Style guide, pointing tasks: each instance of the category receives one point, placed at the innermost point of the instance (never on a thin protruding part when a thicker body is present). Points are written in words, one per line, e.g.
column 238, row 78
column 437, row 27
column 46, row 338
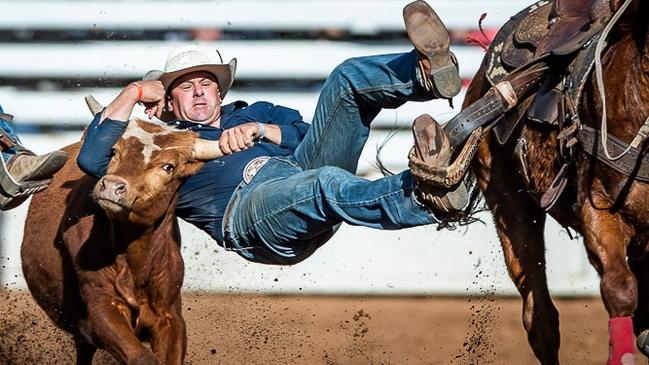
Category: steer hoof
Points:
column 145, row 358
column 642, row 342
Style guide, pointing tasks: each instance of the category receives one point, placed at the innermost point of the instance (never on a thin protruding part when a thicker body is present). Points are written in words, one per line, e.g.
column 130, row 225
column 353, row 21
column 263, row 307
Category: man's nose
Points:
column 198, row 90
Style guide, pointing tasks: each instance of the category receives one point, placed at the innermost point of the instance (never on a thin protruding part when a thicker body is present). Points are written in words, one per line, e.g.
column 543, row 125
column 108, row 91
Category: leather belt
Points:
column 499, row 99
column 627, row 164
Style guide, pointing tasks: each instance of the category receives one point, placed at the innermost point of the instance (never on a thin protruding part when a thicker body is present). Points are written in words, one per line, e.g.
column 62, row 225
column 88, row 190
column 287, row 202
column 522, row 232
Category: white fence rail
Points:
column 288, row 59
column 359, row 16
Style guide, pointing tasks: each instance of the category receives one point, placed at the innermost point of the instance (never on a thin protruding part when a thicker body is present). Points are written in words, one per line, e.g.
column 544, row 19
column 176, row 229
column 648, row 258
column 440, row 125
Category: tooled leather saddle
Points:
column 563, row 35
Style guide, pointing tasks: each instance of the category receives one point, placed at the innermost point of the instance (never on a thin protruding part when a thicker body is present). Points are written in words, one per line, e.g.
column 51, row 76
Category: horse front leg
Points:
column 640, row 268
column 606, row 237
column 520, row 223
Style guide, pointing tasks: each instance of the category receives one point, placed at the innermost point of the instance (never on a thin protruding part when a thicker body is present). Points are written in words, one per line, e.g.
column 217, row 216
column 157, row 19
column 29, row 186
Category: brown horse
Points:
column 608, row 208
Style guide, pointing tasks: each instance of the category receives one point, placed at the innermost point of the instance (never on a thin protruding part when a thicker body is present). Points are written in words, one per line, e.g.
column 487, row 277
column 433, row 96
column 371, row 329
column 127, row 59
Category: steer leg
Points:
column 110, row 326
column 169, row 336
column 85, row 351
column 607, row 236
column 520, row 223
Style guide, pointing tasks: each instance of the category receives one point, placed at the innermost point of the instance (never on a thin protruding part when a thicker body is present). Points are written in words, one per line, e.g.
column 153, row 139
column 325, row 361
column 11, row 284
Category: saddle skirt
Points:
column 522, row 41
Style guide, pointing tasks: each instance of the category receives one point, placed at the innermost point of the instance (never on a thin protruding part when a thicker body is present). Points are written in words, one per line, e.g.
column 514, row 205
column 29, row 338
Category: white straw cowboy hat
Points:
column 186, row 59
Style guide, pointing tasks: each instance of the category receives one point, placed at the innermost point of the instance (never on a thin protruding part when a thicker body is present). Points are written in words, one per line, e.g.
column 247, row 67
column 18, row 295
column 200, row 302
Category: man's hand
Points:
column 151, row 93
column 239, row 138
column 153, row 97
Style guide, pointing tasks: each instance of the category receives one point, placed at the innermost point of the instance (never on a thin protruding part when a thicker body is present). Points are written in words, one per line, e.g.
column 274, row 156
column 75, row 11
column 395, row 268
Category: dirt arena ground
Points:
column 236, row 329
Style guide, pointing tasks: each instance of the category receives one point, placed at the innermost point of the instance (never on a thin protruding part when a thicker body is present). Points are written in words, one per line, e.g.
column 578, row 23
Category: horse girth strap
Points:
column 499, row 99
column 633, row 164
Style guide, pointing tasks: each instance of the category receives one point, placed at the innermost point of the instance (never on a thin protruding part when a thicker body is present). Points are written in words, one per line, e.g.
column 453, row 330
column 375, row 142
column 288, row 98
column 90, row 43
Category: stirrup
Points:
column 15, row 189
column 450, row 176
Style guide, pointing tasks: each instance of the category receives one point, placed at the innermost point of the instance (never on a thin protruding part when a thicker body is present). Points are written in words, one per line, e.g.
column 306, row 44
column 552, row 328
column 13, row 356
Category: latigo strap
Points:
column 499, row 99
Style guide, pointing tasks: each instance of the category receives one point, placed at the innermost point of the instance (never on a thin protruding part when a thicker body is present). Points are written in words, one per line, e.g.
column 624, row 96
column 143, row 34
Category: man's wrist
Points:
column 139, row 91
column 262, row 131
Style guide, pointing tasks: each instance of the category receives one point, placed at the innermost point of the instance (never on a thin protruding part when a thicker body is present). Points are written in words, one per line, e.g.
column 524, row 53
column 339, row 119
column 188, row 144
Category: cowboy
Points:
column 22, row 173
column 283, row 187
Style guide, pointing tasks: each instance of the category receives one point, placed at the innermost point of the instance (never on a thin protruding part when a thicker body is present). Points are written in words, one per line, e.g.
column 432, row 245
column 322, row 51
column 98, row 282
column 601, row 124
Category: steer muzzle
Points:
column 111, row 194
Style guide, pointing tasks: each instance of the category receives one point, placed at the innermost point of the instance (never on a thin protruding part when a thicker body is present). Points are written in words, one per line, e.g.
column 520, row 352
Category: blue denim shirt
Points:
column 204, row 196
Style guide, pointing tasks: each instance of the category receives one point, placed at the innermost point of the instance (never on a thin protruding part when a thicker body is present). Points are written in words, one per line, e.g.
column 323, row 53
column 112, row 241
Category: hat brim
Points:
column 224, row 74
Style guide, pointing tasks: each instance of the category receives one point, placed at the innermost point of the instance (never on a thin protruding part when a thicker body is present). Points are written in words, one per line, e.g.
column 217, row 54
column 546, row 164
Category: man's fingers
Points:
column 247, row 140
column 223, row 144
column 238, row 137
column 150, row 112
column 160, row 108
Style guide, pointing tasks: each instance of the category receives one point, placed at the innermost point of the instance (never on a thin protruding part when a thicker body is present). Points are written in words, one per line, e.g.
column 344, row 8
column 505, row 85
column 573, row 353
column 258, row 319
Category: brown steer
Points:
column 102, row 258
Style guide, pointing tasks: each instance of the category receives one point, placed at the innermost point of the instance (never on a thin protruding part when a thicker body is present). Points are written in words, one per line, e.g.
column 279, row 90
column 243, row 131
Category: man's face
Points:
column 195, row 97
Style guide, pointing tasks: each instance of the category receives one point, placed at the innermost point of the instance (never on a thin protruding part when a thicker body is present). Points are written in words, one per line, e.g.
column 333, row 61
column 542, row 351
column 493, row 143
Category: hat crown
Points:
column 185, row 57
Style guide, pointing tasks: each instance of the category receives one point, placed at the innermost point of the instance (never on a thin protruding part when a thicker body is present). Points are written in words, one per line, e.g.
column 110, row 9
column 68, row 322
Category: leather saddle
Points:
column 562, row 34
column 559, row 28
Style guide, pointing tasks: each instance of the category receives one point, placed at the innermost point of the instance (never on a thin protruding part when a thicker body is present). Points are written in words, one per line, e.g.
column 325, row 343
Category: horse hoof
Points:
column 642, row 342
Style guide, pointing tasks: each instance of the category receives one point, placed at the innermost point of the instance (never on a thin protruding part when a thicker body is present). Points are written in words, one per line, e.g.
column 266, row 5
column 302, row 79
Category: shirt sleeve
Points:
column 289, row 121
column 96, row 149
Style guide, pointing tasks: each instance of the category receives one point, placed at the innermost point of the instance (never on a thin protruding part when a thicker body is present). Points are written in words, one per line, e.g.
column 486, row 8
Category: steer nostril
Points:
column 114, row 186
column 120, row 189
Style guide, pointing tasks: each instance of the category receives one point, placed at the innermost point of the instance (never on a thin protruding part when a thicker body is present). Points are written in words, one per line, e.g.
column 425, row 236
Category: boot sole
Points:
column 429, row 36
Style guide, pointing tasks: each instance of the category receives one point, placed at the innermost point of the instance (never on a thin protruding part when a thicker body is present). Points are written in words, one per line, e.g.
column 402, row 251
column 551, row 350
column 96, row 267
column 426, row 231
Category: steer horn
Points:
column 94, row 106
column 206, row 149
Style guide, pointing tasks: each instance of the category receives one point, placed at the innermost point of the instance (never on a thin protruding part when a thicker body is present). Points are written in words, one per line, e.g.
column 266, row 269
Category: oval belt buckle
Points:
column 253, row 167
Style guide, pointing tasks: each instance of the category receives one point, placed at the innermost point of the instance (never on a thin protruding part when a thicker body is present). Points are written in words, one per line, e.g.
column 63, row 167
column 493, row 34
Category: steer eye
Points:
column 168, row 167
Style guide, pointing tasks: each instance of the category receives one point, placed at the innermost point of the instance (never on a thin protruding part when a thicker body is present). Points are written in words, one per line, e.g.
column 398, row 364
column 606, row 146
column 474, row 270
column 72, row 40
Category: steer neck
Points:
column 149, row 249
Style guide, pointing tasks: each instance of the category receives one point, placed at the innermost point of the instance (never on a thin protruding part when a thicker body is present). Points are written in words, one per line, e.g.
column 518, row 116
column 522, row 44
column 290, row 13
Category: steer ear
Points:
column 190, row 168
column 206, row 150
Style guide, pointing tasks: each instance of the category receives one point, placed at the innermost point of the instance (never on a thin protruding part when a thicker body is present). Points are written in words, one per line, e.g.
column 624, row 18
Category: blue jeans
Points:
column 293, row 205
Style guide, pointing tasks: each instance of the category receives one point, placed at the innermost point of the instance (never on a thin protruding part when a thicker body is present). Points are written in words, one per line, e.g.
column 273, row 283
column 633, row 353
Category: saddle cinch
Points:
column 537, row 64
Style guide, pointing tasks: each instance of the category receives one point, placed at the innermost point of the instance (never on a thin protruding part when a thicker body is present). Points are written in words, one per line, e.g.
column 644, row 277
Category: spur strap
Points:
column 633, row 164
column 499, row 99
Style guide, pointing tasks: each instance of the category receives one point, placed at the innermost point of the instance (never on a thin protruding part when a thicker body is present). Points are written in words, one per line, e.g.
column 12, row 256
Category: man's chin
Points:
column 199, row 119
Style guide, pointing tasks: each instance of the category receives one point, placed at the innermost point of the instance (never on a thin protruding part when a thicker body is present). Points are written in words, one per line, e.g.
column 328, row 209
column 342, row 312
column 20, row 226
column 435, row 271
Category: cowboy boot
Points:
column 25, row 167
column 28, row 167
column 431, row 40
column 433, row 149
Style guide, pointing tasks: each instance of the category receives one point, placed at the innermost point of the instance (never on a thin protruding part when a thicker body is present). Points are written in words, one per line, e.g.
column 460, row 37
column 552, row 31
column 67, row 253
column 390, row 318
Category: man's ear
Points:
column 170, row 107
